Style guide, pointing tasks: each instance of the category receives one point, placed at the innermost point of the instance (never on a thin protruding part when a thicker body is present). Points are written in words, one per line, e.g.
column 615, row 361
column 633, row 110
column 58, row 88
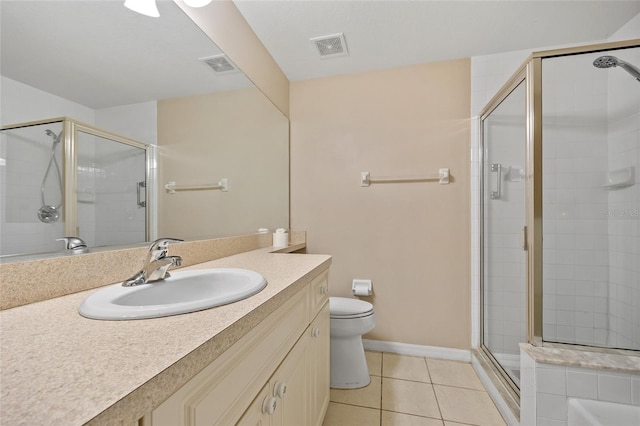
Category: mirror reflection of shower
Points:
column 612, row 62
column 50, row 213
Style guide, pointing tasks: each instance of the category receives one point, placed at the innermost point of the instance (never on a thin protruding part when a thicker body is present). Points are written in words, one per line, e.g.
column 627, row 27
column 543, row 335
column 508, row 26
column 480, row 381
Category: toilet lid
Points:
column 348, row 308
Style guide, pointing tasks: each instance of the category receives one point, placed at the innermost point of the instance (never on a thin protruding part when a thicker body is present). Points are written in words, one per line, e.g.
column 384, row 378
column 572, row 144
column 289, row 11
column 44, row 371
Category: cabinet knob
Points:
column 324, row 289
column 315, row 332
column 280, row 389
column 269, row 405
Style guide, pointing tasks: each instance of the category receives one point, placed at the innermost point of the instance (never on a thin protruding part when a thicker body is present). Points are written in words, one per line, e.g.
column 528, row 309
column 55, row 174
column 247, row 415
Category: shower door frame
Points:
column 518, row 78
column 71, row 128
column 71, row 167
column 530, row 72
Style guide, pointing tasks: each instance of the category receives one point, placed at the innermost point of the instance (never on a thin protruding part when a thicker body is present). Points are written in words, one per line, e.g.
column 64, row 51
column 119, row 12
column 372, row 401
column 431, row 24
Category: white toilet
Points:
column 350, row 319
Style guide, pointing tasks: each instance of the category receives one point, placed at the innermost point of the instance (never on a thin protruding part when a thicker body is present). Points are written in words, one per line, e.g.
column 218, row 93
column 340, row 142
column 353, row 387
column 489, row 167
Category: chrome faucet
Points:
column 74, row 245
column 156, row 264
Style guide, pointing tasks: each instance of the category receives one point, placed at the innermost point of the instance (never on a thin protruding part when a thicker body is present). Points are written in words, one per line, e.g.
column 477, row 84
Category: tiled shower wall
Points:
column 25, row 155
column 546, row 389
column 623, row 212
column 575, row 242
column 591, row 238
column 87, row 194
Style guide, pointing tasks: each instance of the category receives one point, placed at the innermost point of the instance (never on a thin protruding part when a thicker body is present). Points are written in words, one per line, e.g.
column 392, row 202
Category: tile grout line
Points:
column 459, row 387
column 433, row 389
column 381, row 382
column 382, row 378
column 418, row 416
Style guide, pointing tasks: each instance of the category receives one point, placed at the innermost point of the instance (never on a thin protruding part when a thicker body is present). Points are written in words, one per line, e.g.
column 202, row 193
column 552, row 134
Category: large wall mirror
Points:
column 160, row 81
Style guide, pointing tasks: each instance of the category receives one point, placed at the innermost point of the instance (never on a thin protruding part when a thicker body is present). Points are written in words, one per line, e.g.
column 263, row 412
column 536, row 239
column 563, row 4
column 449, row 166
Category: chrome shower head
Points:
column 605, row 62
column 56, row 138
column 612, row 62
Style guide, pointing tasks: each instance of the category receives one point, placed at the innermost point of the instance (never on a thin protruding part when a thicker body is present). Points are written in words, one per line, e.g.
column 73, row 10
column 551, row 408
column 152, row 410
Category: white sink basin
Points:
column 182, row 292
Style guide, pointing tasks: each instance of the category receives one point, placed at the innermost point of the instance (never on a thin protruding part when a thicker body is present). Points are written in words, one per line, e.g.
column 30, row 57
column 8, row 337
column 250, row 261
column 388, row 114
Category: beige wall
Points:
column 238, row 135
column 224, row 24
column 411, row 239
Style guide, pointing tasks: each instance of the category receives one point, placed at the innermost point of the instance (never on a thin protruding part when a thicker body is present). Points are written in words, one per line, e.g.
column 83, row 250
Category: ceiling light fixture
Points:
column 149, row 7
column 145, row 7
column 197, row 3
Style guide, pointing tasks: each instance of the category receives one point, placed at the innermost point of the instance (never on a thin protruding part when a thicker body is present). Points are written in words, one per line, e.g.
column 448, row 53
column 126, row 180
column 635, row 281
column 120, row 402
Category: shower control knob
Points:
column 269, row 405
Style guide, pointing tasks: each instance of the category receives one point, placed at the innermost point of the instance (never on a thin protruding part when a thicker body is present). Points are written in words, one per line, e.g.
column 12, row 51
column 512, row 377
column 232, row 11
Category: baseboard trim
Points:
column 417, row 350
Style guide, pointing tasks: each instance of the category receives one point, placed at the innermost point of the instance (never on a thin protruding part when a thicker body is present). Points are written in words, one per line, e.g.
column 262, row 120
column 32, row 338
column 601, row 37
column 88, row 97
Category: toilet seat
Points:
column 345, row 308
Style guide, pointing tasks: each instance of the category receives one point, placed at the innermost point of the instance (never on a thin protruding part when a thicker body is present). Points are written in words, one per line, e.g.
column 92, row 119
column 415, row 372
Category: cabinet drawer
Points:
column 319, row 293
column 219, row 394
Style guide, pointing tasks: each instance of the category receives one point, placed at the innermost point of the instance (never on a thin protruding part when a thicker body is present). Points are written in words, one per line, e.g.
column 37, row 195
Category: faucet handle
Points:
column 74, row 245
column 161, row 244
column 73, row 242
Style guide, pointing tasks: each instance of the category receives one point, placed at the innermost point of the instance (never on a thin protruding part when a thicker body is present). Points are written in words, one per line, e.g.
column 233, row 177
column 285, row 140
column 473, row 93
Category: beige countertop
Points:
column 58, row 367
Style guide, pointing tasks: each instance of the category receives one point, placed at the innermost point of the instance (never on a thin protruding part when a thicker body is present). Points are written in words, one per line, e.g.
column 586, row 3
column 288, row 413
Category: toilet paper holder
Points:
column 362, row 287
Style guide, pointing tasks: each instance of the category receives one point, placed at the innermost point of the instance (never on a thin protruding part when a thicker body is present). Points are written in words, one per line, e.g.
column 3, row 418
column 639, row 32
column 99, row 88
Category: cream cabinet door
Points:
column 261, row 409
column 290, row 386
column 319, row 374
column 221, row 392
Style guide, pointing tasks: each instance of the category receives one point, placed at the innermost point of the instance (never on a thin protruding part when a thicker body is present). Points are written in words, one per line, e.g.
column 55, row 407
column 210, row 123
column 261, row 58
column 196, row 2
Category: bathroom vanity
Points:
column 284, row 360
column 262, row 360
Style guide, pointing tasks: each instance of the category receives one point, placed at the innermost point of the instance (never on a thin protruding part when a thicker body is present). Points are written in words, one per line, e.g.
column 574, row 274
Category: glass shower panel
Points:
column 503, row 259
column 591, row 200
column 111, row 191
column 31, row 216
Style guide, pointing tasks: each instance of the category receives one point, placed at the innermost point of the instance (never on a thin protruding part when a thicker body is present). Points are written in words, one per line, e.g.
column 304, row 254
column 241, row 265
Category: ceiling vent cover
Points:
column 331, row 46
column 220, row 64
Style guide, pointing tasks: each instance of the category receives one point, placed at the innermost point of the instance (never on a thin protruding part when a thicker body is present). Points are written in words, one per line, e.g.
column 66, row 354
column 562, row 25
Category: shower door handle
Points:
column 497, row 168
column 140, row 187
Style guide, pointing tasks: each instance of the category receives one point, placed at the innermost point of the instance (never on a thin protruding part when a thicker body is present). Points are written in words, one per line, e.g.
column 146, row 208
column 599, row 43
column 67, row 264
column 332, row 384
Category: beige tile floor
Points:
column 414, row 391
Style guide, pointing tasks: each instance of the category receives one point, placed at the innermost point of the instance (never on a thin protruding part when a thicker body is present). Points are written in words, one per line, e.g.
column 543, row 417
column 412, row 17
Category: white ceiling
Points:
column 100, row 54
column 391, row 33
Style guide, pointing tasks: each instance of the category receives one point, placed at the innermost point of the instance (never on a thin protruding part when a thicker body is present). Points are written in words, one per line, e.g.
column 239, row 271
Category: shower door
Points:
column 111, row 189
column 503, row 259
